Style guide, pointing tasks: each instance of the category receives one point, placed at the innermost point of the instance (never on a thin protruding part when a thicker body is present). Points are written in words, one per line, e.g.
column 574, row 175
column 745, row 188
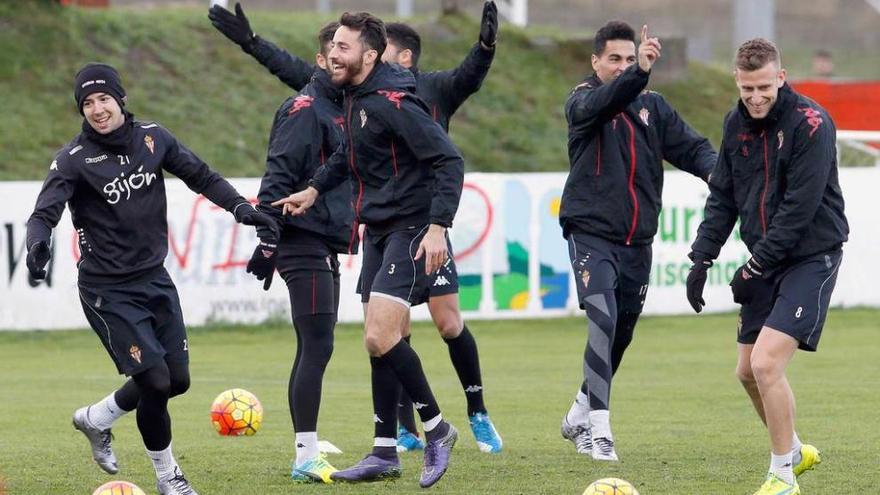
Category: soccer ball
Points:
column 118, row 488
column 236, row 412
column 610, row 486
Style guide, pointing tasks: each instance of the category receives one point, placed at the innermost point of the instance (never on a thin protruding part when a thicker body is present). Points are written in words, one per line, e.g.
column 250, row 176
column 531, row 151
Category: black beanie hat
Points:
column 97, row 78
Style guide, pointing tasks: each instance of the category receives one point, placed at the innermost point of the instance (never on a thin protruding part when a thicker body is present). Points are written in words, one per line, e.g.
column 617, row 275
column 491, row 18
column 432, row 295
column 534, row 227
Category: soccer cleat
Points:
column 488, row 439
column 407, row 441
column 810, row 458
column 177, row 485
column 437, row 455
column 579, row 435
column 775, row 486
column 315, row 469
column 370, row 468
column 603, row 449
column 102, row 452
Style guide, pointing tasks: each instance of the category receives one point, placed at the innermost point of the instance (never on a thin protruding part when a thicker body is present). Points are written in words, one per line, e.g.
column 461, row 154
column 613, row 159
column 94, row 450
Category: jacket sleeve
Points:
column 333, row 172
column 198, row 176
column 806, row 176
column 589, row 108
column 294, row 144
column 721, row 212
column 682, row 146
column 460, row 83
column 430, row 145
column 290, row 69
column 57, row 189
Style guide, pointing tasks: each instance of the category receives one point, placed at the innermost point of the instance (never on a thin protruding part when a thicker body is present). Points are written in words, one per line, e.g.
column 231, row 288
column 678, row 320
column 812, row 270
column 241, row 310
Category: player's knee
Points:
column 449, row 326
column 320, row 352
column 179, row 385
column 744, row 374
column 155, row 382
column 763, row 368
column 375, row 344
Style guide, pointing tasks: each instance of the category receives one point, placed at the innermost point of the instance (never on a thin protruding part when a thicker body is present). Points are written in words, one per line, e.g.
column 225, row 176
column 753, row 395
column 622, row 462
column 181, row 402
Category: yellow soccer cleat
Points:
column 810, row 458
column 316, row 469
column 775, row 486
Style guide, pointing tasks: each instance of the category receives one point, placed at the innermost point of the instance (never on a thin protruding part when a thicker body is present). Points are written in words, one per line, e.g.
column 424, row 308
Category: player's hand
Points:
column 649, row 50
column 298, row 203
column 696, row 281
column 745, row 281
column 235, row 27
column 433, row 248
column 262, row 262
column 246, row 214
column 489, row 25
column 37, row 257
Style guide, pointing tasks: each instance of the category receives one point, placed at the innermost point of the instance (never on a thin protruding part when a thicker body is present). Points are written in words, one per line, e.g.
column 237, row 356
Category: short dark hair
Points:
column 756, row 53
column 406, row 38
column 372, row 29
column 325, row 37
column 613, row 30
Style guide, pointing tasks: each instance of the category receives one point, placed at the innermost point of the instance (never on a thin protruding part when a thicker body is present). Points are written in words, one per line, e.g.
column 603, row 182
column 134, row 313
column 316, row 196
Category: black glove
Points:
column 696, row 281
column 745, row 281
column 489, row 24
column 37, row 257
column 262, row 263
column 246, row 214
column 235, row 27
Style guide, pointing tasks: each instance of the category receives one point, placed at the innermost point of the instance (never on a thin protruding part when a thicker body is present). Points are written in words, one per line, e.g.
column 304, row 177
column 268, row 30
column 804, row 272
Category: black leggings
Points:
column 149, row 392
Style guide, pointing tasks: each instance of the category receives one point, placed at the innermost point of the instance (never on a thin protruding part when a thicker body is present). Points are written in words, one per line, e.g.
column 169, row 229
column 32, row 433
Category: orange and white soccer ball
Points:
column 118, row 488
column 236, row 412
column 610, row 486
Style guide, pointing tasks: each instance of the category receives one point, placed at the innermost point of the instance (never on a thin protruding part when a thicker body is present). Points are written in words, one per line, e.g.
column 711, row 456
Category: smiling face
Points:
column 759, row 89
column 614, row 59
column 350, row 59
column 103, row 113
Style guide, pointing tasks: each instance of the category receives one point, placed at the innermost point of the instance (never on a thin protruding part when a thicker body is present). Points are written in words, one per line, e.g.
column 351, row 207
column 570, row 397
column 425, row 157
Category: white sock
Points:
column 306, row 446
column 580, row 410
column 795, row 443
column 163, row 462
column 103, row 413
column 780, row 465
column 432, row 423
column 384, row 442
column 600, row 423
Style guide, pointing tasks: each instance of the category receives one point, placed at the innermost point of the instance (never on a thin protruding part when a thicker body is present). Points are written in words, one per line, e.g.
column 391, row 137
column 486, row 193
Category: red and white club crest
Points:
column 644, row 114
column 148, row 140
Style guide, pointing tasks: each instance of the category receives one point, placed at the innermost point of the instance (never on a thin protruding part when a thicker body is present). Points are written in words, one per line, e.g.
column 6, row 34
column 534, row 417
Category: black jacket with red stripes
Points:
column 404, row 169
column 443, row 91
column 778, row 175
column 618, row 136
column 306, row 130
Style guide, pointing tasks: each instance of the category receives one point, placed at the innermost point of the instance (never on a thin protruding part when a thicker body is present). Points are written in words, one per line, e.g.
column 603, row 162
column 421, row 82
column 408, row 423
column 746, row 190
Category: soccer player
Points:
column 112, row 177
column 444, row 92
column 618, row 137
column 777, row 174
column 306, row 129
column 406, row 184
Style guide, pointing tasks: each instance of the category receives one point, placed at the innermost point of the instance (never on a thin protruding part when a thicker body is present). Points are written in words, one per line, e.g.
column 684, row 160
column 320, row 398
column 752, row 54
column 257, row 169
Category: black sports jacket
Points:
column 443, row 91
column 404, row 169
column 307, row 129
column 778, row 175
column 618, row 137
column 117, row 201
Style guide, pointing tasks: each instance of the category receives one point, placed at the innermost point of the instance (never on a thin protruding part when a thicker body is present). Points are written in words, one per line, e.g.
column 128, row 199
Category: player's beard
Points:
column 347, row 72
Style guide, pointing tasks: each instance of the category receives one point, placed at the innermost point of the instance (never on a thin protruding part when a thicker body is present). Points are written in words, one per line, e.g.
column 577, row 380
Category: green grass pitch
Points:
column 681, row 420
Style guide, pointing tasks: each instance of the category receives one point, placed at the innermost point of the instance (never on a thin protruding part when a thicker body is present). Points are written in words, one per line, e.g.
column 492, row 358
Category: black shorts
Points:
column 388, row 268
column 794, row 301
column 139, row 322
column 442, row 283
column 311, row 272
column 624, row 269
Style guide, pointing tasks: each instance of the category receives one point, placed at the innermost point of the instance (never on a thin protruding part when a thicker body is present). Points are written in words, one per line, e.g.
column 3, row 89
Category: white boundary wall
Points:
column 506, row 234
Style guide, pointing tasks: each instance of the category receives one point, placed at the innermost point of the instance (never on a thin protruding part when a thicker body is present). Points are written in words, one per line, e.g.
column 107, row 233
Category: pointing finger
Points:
column 644, row 33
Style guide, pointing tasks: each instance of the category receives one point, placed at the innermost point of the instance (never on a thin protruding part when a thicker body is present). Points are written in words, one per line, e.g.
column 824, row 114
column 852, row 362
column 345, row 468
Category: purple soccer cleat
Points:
column 370, row 468
column 437, row 455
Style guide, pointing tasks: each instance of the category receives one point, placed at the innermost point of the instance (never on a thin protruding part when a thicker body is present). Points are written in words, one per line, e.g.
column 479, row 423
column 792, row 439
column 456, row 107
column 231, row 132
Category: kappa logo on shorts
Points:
column 419, row 405
column 440, row 281
column 135, row 353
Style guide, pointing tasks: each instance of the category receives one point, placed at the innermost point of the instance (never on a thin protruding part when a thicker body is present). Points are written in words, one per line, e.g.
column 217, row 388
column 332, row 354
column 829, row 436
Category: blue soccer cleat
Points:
column 437, row 455
column 407, row 441
column 488, row 439
column 370, row 468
